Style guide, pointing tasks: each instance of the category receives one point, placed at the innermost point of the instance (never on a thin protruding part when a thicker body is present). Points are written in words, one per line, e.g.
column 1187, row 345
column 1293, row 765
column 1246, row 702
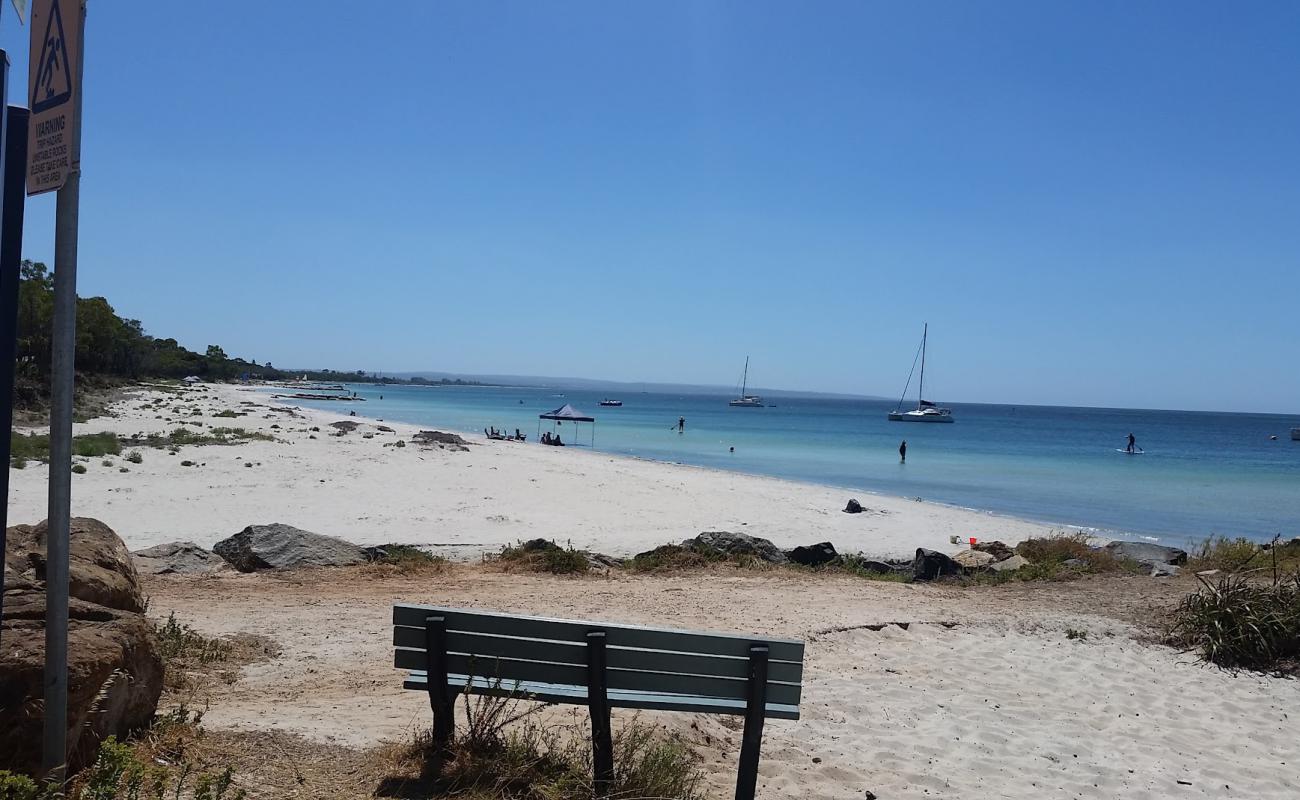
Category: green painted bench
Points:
column 601, row 665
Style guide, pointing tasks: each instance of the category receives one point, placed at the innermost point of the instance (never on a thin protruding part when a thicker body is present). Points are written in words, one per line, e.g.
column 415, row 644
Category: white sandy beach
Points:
column 499, row 492
column 983, row 695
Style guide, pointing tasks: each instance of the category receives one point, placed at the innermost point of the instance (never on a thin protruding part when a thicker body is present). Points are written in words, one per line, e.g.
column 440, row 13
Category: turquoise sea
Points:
column 1201, row 473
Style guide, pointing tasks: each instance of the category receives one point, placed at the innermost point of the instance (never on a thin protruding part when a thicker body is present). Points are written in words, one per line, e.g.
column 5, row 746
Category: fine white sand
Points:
column 1003, row 704
column 367, row 491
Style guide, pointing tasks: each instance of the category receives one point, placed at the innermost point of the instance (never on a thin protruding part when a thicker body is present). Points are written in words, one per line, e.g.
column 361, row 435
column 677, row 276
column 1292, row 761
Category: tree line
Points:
column 110, row 346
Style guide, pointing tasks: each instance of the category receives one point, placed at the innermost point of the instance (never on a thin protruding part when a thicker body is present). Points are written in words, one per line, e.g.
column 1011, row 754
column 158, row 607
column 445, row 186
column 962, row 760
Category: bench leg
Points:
column 755, row 712
column 444, row 711
column 602, row 744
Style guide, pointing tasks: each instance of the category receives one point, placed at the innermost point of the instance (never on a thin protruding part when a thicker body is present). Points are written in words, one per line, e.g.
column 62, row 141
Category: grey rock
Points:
column 813, row 555
column 1011, row 564
column 880, row 567
column 1147, row 554
column 998, row 550
column 854, row 507
column 931, row 564
column 738, row 544
column 973, row 559
column 345, row 426
column 178, row 558
column 279, row 546
column 1164, row 570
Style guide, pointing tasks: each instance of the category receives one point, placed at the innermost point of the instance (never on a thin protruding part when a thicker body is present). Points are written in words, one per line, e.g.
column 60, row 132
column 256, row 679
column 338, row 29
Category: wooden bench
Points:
column 600, row 665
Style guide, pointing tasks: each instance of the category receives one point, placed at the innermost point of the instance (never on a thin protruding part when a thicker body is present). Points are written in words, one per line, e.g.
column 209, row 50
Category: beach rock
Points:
column 178, row 558
column 99, row 565
column 345, row 426
column 813, row 555
column 973, row 559
column 1147, row 554
column 385, row 429
column 444, row 441
column 738, row 544
column 1015, row 562
column 280, row 546
column 998, row 550
column 931, row 564
column 854, row 507
column 115, row 671
column 1164, row 570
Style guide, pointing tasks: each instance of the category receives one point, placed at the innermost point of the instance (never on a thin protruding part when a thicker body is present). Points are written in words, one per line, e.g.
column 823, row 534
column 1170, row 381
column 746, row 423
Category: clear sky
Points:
column 1092, row 203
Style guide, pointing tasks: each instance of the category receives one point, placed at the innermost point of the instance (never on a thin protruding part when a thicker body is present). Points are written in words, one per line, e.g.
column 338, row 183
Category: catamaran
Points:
column 925, row 411
column 746, row 400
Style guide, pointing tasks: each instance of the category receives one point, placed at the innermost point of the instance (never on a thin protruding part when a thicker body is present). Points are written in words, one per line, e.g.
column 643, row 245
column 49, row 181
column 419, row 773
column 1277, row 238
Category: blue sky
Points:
column 1091, row 203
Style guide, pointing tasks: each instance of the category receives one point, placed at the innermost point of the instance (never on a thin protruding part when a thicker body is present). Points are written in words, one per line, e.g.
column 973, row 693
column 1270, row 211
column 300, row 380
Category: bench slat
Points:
column 632, row 680
column 616, row 657
column 563, row 630
column 619, row 698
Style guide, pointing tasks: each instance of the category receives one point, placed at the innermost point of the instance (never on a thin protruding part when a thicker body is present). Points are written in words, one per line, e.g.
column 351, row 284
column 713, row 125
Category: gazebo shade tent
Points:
column 567, row 413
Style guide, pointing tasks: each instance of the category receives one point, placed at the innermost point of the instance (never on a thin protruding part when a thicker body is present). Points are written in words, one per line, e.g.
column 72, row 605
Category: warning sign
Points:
column 52, row 87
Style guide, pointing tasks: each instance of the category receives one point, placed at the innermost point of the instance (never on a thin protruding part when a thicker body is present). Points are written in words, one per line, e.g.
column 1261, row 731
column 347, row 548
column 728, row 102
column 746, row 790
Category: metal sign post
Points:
column 54, row 162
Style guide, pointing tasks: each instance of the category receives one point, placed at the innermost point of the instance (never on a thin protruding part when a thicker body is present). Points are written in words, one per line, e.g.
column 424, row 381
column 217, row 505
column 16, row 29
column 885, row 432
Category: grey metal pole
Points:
column 63, row 372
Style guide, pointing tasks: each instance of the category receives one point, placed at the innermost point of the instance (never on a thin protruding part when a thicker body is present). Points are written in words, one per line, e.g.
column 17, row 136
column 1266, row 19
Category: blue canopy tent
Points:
column 567, row 413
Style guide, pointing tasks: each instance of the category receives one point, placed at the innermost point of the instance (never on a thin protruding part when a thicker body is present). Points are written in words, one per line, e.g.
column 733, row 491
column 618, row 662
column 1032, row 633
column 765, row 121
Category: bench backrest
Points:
column 689, row 668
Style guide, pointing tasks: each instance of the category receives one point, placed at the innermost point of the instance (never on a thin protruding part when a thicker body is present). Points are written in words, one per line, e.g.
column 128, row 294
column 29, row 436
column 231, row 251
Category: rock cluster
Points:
column 115, row 670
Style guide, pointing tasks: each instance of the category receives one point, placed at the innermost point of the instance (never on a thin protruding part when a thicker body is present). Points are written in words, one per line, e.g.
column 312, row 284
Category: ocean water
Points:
column 1201, row 473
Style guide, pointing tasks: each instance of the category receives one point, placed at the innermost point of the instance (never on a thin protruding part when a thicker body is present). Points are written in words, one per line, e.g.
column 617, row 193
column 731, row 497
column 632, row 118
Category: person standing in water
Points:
column 902, row 452
column 1132, row 443
column 681, row 424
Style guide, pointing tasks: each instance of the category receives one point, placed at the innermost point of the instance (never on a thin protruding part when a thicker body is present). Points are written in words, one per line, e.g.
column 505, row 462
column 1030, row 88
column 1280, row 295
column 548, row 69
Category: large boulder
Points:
column 813, row 555
column 734, row 544
column 998, row 550
column 99, row 565
column 279, row 546
column 1147, row 554
column 115, row 670
column 973, row 559
column 930, row 564
column 853, row 507
column 1015, row 562
column 178, row 558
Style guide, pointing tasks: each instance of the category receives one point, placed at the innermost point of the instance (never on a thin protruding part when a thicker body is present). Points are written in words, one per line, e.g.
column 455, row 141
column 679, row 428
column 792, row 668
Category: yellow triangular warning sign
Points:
column 52, row 84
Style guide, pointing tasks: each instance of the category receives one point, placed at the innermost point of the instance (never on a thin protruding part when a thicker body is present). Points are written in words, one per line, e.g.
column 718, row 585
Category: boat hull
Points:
column 915, row 416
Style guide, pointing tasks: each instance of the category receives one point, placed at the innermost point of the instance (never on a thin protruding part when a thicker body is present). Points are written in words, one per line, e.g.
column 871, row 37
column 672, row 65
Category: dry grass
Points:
column 192, row 660
column 406, row 559
column 543, row 555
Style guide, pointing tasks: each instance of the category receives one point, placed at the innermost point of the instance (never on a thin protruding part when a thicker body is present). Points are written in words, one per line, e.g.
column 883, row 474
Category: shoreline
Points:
column 363, row 488
column 1101, row 534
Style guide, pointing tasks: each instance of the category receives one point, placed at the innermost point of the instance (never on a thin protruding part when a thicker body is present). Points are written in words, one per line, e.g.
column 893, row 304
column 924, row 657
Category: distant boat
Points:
column 746, row 400
column 1295, row 434
column 608, row 402
column 925, row 411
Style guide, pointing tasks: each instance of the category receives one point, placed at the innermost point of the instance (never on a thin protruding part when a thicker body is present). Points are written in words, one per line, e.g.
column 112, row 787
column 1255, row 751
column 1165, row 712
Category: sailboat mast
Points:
column 744, row 378
column 920, row 391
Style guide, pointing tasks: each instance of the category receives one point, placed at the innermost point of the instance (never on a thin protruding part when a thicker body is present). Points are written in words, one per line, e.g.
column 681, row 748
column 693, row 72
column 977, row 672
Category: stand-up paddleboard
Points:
column 1137, row 452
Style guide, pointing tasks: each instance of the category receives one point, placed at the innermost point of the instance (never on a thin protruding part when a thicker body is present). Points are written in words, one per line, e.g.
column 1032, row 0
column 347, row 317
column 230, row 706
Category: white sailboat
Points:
column 746, row 400
column 925, row 411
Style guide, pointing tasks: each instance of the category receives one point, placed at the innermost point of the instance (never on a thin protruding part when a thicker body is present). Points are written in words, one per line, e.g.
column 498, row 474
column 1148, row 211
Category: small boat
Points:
column 611, row 403
column 746, row 400
column 1295, row 434
column 925, row 411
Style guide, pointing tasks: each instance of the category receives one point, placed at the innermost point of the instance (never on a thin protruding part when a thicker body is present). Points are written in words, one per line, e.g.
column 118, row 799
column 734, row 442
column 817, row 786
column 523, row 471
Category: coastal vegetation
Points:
column 505, row 753
column 543, row 555
column 112, row 350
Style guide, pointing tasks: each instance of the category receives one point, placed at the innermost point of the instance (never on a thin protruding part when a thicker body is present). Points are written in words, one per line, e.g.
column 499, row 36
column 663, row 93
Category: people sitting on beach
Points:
column 555, row 440
column 546, row 438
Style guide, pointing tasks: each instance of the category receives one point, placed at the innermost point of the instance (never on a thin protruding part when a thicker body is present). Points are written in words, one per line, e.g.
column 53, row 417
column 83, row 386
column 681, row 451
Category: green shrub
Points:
column 542, row 555
column 79, row 469
column 20, row 787
column 1220, row 552
column 36, row 446
column 187, row 463
column 228, row 414
column 135, row 457
column 1075, row 633
column 1238, row 623
column 18, row 462
column 675, row 556
column 95, row 445
column 408, row 559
